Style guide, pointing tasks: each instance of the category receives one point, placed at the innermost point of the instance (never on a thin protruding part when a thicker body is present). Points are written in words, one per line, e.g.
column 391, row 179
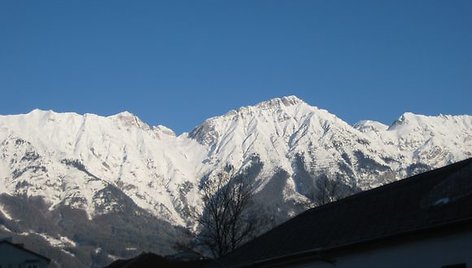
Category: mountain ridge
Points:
column 117, row 166
column 290, row 99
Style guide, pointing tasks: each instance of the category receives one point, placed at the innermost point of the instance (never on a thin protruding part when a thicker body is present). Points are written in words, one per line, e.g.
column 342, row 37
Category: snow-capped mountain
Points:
column 97, row 169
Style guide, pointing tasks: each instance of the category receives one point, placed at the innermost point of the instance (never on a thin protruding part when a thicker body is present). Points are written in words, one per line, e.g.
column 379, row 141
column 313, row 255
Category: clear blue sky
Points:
column 177, row 63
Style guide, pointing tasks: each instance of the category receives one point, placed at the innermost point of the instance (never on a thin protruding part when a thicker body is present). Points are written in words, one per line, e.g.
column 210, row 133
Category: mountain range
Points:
column 87, row 189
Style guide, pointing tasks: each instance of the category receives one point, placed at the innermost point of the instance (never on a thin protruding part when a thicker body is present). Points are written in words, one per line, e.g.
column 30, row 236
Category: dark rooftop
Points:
column 431, row 200
column 20, row 247
column 151, row 260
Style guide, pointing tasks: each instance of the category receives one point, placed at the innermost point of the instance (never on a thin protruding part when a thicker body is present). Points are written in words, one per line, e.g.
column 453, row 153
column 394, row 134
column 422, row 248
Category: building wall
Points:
column 11, row 256
column 428, row 253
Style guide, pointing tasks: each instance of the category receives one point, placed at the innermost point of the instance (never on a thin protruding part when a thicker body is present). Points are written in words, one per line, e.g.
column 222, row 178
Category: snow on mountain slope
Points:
column 427, row 140
column 106, row 165
column 282, row 129
column 72, row 157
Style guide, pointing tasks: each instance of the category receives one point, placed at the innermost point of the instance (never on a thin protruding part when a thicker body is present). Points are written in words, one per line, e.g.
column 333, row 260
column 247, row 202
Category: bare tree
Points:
column 226, row 221
column 330, row 190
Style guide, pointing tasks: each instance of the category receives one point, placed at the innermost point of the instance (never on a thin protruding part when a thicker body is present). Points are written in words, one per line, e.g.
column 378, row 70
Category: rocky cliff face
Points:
column 132, row 181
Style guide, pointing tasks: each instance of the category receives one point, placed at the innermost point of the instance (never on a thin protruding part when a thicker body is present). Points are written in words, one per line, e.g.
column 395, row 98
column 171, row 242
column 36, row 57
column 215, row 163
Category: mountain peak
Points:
column 37, row 110
column 165, row 130
column 272, row 104
column 130, row 119
column 280, row 102
column 407, row 116
column 370, row 125
column 124, row 114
